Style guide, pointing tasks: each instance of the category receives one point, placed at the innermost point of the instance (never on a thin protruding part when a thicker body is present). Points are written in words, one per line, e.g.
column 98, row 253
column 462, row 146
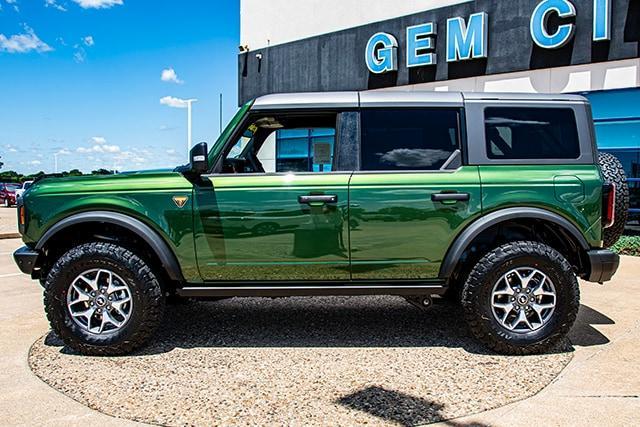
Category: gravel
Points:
column 300, row 361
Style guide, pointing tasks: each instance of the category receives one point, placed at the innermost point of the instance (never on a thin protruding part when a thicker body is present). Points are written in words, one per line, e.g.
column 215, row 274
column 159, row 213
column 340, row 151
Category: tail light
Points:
column 608, row 205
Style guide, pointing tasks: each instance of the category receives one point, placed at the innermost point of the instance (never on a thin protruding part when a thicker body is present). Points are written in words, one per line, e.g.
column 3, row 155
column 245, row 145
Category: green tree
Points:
column 102, row 171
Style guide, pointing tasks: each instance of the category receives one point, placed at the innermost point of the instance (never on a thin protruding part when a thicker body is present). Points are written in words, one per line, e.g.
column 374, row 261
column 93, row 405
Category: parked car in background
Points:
column 8, row 194
column 20, row 191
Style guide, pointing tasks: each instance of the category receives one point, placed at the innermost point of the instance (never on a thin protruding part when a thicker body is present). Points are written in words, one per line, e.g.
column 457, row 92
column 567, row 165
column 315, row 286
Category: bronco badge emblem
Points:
column 180, row 201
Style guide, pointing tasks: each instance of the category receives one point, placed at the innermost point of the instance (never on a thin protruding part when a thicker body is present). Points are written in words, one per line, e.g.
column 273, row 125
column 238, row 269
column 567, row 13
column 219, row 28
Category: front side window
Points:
column 284, row 144
column 514, row 133
column 408, row 139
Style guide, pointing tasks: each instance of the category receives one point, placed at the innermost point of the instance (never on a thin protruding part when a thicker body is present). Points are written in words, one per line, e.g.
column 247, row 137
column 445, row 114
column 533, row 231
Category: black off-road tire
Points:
column 476, row 298
column 613, row 173
column 146, row 293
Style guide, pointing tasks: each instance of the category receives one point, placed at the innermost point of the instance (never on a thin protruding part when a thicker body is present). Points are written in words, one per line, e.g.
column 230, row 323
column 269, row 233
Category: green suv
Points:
column 495, row 200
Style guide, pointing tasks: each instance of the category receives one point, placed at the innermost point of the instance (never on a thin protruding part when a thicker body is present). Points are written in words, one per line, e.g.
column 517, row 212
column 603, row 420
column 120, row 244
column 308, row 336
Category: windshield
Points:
column 26, row 185
column 231, row 127
column 12, row 187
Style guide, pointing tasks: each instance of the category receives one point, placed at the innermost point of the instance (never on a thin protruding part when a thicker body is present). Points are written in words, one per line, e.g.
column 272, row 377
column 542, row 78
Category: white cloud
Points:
column 100, row 147
column 109, row 148
column 55, row 5
column 98, row 4
column 174, row 102
column 35, row 162
column 63, row 152
column 80, row 55
column 169, row 75
column 171, row 151
column 13, row 3
column 88, row 41
column 22, row 43
column 98, row 140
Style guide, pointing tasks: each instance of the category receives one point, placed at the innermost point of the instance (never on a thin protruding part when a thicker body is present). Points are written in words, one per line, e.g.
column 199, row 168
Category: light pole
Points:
column 189, row 102
column 55, row 159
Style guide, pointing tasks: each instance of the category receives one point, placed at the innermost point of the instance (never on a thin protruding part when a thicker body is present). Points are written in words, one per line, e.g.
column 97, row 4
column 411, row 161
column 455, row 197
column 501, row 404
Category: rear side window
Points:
column 531, row 133
column 408, row 139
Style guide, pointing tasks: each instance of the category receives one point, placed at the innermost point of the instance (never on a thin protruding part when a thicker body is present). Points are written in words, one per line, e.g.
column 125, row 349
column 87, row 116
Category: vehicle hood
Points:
column 122, row 182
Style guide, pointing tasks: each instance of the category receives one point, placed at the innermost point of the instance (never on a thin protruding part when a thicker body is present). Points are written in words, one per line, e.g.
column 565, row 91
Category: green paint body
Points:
column 384, row 226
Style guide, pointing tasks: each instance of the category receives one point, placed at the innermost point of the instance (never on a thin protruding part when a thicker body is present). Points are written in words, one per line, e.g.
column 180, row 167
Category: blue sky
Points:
column 84, row 79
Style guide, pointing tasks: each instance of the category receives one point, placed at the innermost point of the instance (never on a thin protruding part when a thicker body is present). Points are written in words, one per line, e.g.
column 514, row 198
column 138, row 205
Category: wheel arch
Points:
column 504, row 216
column 153, row 240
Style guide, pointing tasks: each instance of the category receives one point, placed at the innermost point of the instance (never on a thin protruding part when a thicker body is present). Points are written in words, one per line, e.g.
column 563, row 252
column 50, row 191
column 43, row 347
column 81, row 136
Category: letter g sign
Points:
column 538, row 26
column 381, row 54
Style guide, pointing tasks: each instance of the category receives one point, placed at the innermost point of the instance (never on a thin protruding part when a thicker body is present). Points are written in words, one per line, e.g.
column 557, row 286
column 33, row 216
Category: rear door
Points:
column 412, row 194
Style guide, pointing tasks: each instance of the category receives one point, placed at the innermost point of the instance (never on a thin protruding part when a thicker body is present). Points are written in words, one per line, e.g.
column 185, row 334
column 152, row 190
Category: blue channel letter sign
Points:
column 469, row 39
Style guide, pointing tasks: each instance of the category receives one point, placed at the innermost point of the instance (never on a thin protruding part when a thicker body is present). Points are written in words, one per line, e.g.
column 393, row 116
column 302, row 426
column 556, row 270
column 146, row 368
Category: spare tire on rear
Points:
column 613, row 173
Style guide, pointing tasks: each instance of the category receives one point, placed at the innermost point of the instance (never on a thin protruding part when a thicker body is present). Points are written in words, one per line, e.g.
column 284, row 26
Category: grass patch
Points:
column 627, row 245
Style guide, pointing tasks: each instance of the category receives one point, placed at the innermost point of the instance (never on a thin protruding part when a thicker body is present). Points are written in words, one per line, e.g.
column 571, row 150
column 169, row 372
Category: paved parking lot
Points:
column 8, row 221
column 600, row 385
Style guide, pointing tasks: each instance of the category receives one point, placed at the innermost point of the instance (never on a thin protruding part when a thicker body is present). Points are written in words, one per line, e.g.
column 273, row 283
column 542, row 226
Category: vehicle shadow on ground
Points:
column 583, row 333
column 374, row 321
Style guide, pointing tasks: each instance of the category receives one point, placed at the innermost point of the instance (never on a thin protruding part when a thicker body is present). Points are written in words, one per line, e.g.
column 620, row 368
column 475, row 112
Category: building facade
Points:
column 590, row 47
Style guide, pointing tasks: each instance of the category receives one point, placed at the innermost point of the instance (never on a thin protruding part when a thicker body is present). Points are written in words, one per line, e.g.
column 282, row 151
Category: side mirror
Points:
column 199, row 156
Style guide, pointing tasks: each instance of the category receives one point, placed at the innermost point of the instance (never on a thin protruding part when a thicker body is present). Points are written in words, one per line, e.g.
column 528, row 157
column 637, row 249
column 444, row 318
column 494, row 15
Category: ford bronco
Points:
column 499, row 201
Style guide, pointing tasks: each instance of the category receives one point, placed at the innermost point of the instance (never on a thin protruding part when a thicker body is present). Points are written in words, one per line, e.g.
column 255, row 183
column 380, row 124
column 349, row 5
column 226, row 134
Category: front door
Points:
column 412, row 195
column 278, row 210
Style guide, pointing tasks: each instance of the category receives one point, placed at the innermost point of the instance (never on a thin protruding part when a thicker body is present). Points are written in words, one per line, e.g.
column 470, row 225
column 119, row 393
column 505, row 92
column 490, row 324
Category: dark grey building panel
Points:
column 335, row 61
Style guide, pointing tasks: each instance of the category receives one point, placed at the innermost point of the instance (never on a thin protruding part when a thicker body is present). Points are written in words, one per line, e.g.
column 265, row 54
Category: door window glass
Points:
column 305, row 150
column 284, row 144
column 531, row 133
column 408, row 139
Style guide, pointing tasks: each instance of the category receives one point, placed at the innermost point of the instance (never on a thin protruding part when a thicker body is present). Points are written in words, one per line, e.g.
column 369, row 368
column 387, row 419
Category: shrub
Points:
column 627, row 245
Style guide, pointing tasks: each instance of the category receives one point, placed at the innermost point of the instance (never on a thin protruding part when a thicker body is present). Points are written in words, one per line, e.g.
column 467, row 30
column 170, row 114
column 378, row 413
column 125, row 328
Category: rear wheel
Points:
column 6, row 203
column 613, row 172
column 521, row 298
column 102, row 299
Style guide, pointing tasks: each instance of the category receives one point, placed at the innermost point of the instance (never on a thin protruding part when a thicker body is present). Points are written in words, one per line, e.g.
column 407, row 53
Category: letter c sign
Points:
column 540, row 17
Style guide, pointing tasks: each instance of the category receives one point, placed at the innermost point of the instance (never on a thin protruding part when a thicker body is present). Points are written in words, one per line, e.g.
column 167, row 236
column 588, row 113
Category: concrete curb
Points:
column 9, row 236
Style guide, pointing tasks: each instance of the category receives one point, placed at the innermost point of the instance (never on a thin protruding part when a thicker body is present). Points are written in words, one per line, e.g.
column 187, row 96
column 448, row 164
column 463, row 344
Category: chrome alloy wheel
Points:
column 99, row 301
column 523, row 300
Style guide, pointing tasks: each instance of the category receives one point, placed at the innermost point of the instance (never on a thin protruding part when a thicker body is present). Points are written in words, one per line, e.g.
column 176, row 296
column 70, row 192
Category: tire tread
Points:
column 150, row 288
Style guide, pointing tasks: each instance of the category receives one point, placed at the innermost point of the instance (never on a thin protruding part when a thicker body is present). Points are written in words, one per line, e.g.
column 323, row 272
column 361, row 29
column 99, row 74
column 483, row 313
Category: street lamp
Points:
column 174, row 102
column 189, row 102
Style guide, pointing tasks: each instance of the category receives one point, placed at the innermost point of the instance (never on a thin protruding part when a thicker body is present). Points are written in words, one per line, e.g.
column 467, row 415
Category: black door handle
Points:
column 320, row 198
column 453, row 197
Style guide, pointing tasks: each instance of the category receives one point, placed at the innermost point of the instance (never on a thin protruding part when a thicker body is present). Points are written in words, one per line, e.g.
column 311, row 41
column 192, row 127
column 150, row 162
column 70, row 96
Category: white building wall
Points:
column 269, row 22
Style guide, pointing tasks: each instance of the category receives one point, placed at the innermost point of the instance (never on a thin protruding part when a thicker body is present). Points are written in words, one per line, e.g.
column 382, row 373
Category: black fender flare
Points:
column 472, row 231
column 142, row 230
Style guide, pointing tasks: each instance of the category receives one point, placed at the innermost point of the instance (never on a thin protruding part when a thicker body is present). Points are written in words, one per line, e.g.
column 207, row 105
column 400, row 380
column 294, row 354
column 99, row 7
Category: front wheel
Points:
column 102, row 299
column 6, row 203
column 521, row 298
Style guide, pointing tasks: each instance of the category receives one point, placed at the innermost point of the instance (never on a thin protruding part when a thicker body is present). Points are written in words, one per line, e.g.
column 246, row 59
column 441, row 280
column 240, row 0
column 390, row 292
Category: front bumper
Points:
column 604, row 265
column 26, row 259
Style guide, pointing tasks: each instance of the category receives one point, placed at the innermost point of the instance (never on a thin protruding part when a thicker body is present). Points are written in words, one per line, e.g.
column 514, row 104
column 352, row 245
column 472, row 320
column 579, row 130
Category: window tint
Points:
column 408, row 139
column 531, row 133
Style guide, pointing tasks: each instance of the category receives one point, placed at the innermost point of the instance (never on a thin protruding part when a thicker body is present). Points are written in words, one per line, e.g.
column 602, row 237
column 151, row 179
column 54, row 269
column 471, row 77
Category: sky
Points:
column 99, row 83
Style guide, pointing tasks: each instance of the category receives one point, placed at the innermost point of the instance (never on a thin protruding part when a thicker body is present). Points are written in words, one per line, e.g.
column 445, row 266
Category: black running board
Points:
column 310, row 290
